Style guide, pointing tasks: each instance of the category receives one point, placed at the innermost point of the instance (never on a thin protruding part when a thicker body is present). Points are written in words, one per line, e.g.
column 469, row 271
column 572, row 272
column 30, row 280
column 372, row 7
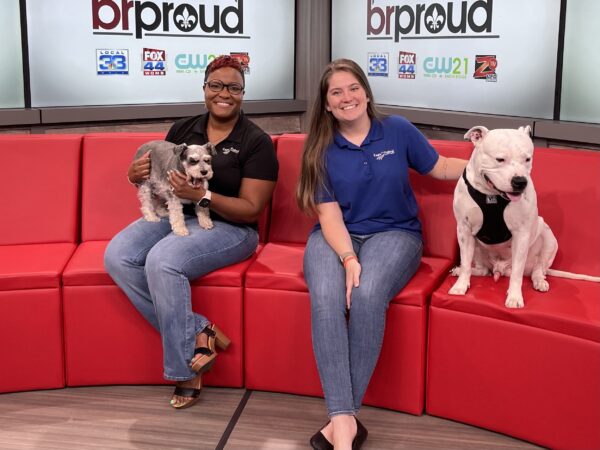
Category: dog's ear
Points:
column 179, row 149
column 526, row 129
column 211, row 148
column 476, row 134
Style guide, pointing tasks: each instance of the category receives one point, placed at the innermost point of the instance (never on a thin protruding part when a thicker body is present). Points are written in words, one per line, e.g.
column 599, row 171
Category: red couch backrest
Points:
column 108, row 201
column 288, row 223
column 567, row 183
column 434, row 198
column 40, row 188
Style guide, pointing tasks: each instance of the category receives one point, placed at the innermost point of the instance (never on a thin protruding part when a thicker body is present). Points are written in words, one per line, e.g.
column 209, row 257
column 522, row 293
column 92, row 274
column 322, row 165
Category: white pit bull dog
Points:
column 495, row 205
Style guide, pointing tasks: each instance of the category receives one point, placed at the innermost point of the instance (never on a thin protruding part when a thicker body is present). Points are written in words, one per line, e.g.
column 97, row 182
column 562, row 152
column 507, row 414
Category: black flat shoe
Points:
column 319, row 441
column 361, row 436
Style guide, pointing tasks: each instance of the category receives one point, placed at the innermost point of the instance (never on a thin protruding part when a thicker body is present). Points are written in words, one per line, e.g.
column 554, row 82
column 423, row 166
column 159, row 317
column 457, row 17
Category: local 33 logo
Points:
column 112, row 61
column 378, row 64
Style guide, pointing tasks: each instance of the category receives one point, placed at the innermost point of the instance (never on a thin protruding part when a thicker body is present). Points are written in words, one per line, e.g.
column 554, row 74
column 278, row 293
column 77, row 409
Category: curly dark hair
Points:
column 224, row 61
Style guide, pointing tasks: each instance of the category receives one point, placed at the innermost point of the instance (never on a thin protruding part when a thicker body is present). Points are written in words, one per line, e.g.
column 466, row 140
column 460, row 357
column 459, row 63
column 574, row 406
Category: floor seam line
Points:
column 233, row 421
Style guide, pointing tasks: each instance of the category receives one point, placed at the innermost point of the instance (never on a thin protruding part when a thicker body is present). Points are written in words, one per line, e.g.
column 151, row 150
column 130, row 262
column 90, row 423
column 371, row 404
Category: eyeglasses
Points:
column 218, row 85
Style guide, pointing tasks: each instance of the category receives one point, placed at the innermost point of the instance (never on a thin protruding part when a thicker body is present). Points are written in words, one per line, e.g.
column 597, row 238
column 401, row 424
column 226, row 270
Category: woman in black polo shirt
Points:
column 153, row 266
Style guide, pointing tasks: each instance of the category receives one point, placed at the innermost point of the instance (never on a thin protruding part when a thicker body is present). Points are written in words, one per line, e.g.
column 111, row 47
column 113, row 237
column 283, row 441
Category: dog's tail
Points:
column 572, row 276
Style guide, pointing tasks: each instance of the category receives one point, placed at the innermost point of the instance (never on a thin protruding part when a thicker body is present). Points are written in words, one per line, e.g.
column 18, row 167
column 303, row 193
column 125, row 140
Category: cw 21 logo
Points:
column 112, row 62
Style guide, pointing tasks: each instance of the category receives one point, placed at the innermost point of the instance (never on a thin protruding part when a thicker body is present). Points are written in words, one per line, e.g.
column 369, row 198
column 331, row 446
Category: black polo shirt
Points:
column 247, row 152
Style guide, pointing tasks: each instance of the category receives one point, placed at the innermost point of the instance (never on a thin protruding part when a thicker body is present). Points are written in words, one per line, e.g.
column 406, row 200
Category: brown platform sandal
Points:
column 192, row 395
column 208, row 354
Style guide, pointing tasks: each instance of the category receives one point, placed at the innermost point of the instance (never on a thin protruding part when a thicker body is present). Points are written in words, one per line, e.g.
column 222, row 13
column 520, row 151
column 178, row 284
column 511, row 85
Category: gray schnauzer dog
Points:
column 156, row 192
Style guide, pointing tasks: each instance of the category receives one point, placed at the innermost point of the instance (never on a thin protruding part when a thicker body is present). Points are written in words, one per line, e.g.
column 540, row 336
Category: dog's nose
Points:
column 518, row 183
column 203, row 172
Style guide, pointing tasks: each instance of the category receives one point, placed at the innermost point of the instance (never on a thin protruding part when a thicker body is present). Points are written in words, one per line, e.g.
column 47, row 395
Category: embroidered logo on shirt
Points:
column 227, row 151
column 491, row 200
column 379, row 156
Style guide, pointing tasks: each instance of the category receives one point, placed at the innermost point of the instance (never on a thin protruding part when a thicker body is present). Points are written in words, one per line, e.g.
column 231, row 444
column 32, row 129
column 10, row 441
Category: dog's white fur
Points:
column 501, row 165
column 195, row 161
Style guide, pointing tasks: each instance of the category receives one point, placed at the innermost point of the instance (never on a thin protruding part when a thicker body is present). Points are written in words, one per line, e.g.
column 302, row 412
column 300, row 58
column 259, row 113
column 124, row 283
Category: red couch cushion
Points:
column 43, row 173
column 570, row 307
column 568, row 188
column 86, row 268
column 33, row 266
column 288, row 224
column 108, row 201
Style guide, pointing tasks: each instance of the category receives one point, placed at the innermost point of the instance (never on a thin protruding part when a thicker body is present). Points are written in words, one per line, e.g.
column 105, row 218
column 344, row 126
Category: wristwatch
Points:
column 204, row 202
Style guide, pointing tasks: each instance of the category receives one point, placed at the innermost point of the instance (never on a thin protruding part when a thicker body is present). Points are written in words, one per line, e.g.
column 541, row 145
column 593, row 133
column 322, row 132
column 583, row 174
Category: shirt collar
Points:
column 235, row 135
column 375, row 134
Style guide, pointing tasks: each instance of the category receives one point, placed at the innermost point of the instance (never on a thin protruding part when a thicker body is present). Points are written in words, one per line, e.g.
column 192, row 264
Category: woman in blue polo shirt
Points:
column 367, row 243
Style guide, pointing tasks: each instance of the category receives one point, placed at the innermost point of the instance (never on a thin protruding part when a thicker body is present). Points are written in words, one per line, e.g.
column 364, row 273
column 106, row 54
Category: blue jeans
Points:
column 347, row 349
column 154, row 267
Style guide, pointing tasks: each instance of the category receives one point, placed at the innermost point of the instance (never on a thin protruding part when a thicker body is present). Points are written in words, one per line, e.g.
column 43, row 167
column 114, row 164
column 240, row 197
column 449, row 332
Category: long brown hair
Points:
column 320, row 134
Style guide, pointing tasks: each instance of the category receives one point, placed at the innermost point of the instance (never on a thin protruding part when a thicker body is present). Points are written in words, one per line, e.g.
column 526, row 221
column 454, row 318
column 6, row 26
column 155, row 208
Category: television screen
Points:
column 580, row 100
column 483, row 56
column 11, row 69
column 109, row 52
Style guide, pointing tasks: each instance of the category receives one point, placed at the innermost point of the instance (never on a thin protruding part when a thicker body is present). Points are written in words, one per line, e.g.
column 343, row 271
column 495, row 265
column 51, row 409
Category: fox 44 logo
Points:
column 112, row 61
column 378, row 65
column 154, row 62
column 407, row 65
column 485, row 68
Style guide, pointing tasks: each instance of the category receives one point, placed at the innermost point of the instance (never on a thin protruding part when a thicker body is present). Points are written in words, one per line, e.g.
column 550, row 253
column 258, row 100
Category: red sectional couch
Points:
column 532, row 373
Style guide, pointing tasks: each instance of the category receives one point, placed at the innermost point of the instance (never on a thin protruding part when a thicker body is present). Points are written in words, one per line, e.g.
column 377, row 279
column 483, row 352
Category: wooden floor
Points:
column 139, row 417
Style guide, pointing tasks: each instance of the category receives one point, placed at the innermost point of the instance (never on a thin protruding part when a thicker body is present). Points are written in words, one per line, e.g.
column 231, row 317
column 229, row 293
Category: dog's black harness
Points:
column 494, row 229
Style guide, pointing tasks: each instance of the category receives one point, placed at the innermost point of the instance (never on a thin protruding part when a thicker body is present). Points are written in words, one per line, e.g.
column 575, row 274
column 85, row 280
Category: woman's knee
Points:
column 158, row 263
column 370, row 297
column 114, row 261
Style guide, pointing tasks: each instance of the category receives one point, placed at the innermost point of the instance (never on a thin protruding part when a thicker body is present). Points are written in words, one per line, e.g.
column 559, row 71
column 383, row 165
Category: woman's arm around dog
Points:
column 448, row 168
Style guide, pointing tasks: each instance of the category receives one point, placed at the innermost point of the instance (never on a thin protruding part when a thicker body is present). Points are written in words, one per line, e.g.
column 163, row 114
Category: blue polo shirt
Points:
column 370, row 182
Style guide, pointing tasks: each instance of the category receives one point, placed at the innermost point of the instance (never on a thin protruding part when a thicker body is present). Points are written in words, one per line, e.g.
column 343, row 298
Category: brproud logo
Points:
column 451, row 20
column 183, row 20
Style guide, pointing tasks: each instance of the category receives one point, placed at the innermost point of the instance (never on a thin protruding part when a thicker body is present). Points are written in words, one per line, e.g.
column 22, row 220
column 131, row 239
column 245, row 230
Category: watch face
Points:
column 204, row 203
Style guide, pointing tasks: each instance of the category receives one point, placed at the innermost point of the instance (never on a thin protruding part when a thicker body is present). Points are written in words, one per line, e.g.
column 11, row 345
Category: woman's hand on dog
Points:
column 182, row 189
column 139, row 170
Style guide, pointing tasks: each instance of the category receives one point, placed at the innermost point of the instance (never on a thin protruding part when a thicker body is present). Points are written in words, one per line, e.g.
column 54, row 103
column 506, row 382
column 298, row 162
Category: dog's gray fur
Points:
column 501, row 165
column 195, row 161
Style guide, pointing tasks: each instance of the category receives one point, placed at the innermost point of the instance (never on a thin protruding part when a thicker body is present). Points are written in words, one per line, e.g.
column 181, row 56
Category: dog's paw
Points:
column 181, row 231
column 455, row 271
column 151, row 218
column 459, row 288
column 541, row 285
column 514, row 301
column 205, row 223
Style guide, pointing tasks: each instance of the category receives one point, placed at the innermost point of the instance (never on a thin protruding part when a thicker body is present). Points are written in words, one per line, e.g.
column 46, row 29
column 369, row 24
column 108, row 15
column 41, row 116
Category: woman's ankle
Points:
column 344, row 430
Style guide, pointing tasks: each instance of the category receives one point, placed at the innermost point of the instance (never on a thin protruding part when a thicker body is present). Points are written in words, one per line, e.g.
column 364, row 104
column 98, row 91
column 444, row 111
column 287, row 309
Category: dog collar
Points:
column 493, row 229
